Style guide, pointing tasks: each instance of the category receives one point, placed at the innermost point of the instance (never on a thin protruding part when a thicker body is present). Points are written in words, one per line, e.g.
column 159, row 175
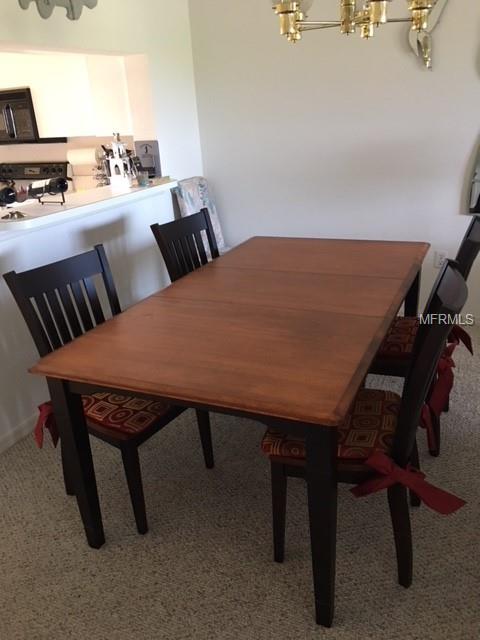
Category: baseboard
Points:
column 7, row 440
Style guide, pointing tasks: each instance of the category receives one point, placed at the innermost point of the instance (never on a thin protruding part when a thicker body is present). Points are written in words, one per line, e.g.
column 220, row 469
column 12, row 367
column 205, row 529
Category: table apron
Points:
column 288, row 426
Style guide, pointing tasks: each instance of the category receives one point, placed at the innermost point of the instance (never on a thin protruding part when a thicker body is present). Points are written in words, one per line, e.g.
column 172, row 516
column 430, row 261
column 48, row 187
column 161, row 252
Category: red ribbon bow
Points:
column 457, row 335
column 46, row 420
column 390, row 474
column 439, row 393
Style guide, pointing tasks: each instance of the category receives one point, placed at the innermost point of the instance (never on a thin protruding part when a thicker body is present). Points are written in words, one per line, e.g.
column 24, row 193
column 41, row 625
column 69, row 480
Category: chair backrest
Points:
column 60, row 301
column 448, row 297
column 181, row 243
column 469, row 248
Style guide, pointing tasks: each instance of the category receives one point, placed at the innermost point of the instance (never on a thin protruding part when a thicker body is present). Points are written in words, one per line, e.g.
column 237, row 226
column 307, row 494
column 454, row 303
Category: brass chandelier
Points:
column 364, row 16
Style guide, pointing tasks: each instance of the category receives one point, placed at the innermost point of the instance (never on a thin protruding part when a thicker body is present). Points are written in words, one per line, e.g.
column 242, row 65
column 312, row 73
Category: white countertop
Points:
column 77, row 204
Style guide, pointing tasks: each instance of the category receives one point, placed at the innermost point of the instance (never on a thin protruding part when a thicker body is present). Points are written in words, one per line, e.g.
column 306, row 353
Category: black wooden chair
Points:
column 60, row 302
column 182, row 243
column 395, row 354
column 381, row 427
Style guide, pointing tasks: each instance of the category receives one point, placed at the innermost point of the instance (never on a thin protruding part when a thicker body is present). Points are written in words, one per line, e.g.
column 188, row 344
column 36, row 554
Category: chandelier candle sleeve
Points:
column 347, row 16
column 378, row 11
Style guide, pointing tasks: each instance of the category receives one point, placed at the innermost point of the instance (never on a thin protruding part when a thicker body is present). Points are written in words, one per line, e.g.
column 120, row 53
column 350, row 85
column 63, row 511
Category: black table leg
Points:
column 321, row 474
column 74, row 435
column 411, row 299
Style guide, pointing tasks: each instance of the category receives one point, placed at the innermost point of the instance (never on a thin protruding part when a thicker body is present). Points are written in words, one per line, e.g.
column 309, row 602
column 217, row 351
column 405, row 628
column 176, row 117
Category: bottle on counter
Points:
column 7, row 196
column 47, row 187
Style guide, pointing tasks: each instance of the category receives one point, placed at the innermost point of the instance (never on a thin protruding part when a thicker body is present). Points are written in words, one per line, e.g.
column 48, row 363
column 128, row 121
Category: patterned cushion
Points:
column 126, row 414
column 398, row 342
column 192, row 195
column 369, row 427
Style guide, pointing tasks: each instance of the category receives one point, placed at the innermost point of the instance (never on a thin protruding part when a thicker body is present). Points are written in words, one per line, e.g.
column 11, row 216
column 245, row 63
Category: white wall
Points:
column 337, row 136
column 158, row 28
column 161, row 30
column 109, row 94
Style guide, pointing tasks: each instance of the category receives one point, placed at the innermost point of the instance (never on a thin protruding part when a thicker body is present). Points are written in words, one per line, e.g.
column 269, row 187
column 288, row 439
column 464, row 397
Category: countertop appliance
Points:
column 18, row 124
column 17, row 120
column 21, row 175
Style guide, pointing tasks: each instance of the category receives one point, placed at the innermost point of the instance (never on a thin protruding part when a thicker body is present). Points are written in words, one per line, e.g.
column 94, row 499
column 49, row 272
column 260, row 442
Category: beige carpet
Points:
column 205, row 569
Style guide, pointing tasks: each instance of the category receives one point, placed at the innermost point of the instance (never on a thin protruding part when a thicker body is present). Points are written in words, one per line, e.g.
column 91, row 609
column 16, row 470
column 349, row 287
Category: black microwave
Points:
column 17, row 117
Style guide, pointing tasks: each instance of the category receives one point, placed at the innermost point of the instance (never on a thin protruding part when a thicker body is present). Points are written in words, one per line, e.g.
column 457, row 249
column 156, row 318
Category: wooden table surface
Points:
column 278, row 327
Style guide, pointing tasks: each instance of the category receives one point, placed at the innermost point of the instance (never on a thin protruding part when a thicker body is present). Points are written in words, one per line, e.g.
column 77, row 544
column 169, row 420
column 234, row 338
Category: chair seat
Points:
column 399, row 341
column 369, row 427
column 127, row 415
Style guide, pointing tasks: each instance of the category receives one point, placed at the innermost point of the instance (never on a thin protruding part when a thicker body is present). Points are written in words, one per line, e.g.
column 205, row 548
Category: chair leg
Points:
column 131, row 464
column 414, row 499
column 400, row 516
column 279, row 506
column 203, row 420
column 67, row 476
column 434, row 448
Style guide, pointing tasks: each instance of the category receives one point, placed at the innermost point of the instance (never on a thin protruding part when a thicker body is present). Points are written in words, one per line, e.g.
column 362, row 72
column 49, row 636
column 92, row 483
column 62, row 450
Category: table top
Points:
column 280, row 327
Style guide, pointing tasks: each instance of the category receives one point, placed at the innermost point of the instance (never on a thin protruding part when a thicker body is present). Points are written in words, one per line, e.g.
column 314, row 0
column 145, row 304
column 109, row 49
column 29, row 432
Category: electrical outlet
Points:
column 439, row 258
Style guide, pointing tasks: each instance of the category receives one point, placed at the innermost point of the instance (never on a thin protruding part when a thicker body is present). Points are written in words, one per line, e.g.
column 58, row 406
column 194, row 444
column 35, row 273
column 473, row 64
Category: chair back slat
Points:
column 59, row 316
column 182, row 264
column 61, row 301
column 192, row 250
column 70, row 311
column 187, row 254
column 448, row 297
column 469, row 248
column 200, row 247
column 46, row 319
column 183, row 243
column 82, row 307
column 93, row 300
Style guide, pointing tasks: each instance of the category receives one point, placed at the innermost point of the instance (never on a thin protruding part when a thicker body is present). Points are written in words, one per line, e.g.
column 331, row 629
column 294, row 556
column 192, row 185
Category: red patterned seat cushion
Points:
column 125, row 414
column 369, row 427
column 398, row 342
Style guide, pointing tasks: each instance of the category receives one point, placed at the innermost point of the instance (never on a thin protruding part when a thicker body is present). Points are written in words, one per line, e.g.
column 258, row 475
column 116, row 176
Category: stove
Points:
column 22, row 174
column 27, row 172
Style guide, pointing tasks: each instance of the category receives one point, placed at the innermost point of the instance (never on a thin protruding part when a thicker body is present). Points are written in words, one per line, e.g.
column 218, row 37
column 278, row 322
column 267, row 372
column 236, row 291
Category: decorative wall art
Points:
column 74, row 7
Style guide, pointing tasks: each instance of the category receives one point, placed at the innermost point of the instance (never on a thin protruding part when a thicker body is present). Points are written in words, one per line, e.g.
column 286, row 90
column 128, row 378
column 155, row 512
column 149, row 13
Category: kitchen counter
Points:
column 78, row 204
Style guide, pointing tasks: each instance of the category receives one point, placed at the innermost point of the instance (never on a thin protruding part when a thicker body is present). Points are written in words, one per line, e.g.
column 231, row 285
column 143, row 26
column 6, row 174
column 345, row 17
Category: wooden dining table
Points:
column 280, row 330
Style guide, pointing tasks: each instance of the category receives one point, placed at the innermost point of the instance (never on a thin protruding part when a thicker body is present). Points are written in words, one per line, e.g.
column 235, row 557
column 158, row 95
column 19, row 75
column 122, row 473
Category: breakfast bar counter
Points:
column 118, row 219
column 77, row 204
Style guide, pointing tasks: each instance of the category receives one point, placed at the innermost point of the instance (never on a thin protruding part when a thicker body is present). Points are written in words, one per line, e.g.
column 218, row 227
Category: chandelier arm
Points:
column 399, row 20
column 312, row 23
column 308, row 27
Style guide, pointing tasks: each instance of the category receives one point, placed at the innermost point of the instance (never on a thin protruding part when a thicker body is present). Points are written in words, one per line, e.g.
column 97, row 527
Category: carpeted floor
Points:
column 205, row 569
